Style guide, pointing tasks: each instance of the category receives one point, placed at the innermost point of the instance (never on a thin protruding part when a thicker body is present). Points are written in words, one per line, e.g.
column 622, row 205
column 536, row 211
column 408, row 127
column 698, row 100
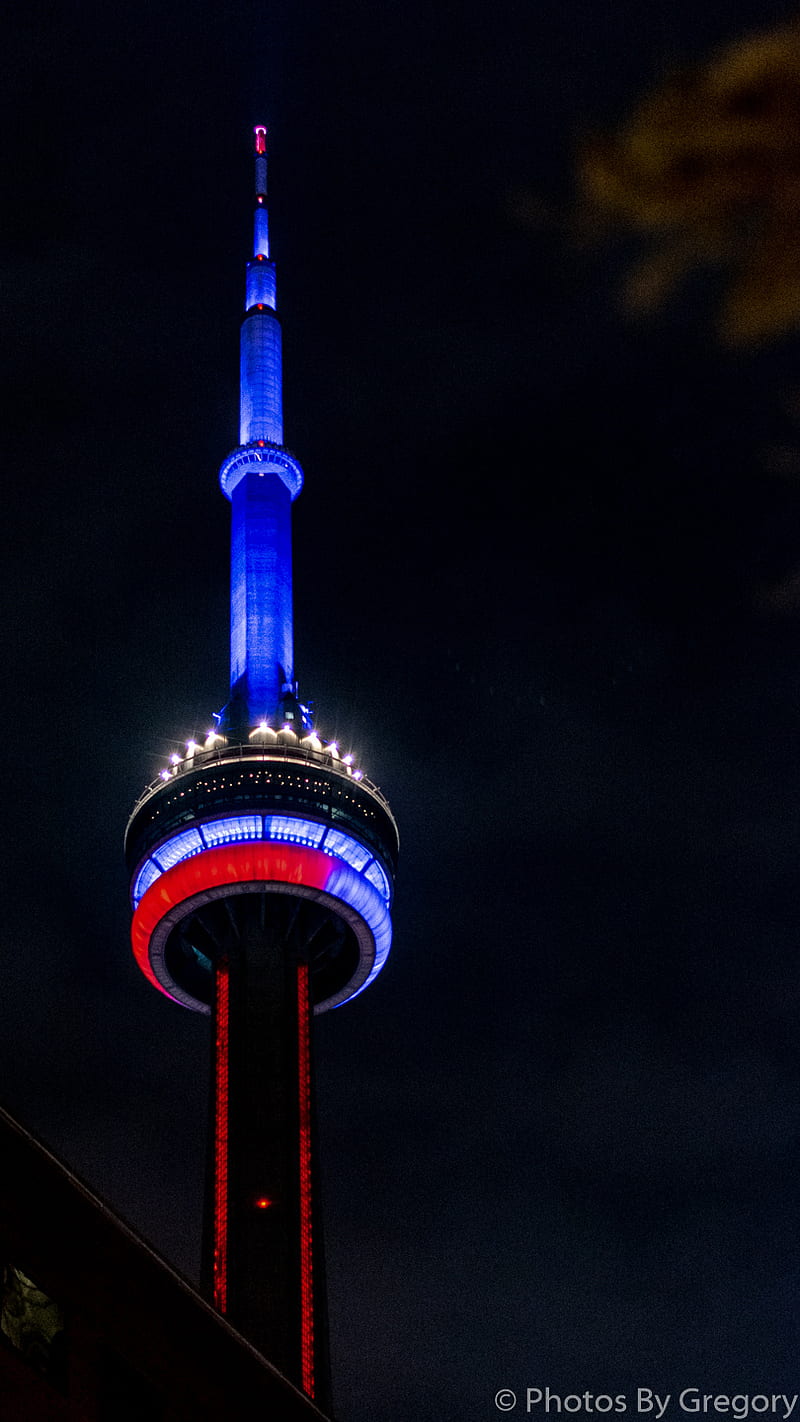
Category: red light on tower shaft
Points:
column 221, row 1139
column 306, row 1204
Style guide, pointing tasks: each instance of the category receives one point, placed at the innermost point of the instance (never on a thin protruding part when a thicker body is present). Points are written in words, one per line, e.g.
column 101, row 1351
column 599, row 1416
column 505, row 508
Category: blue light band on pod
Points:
column 285, row 829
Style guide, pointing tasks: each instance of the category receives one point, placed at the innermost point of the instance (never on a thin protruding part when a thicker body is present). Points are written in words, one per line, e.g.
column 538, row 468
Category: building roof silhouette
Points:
column 94, row 1325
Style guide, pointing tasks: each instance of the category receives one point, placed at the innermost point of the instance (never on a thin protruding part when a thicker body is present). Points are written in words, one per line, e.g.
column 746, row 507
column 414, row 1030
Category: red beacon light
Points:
column 262, row 1203
column 261, row 138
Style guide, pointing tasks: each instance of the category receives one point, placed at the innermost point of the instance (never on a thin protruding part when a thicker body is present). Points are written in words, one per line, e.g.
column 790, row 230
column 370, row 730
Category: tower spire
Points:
column 261, row 238
column 261, row 479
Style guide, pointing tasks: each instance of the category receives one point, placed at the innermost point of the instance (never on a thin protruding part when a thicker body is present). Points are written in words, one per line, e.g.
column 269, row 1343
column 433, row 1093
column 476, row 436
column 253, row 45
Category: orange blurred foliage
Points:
column 707, row 169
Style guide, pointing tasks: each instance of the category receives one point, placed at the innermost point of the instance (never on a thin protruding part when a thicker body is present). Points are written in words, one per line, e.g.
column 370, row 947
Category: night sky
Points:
column 547, row 588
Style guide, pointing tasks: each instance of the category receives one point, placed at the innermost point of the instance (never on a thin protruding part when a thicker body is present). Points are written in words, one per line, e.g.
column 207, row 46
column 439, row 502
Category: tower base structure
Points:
column 262, row 878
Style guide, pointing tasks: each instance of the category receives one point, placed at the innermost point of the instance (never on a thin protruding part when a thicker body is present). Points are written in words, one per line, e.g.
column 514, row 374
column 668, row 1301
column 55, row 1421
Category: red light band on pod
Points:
column 256, row 863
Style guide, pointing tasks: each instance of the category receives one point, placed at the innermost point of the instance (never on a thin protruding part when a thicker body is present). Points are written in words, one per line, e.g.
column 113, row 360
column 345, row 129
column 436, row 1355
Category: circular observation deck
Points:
column 276, row 830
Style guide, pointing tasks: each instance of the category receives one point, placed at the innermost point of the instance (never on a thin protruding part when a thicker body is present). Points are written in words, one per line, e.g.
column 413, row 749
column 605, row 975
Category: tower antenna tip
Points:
column 260, row 135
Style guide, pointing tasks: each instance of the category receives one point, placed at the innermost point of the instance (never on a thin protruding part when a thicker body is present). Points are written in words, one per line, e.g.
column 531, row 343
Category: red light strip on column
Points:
column 306, row 1234
column 221, row 1138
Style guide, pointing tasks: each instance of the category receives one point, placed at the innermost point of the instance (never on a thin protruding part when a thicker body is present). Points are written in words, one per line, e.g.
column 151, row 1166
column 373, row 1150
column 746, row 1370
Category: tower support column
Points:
column 262, row 1243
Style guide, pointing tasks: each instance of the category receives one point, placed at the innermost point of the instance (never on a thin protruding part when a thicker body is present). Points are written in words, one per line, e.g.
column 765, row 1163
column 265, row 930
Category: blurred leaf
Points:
column 655, row 278
column 708, row 167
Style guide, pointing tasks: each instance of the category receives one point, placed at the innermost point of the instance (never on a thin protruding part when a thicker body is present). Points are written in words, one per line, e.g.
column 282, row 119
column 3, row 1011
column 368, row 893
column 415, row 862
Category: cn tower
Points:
column 262, row 866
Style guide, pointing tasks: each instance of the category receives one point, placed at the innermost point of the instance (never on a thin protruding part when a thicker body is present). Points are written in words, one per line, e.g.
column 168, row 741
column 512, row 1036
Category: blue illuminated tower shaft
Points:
column 261, row 479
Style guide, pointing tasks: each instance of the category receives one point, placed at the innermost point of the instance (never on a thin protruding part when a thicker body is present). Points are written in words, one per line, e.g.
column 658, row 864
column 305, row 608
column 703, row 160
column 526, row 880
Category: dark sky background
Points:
column 544, row 568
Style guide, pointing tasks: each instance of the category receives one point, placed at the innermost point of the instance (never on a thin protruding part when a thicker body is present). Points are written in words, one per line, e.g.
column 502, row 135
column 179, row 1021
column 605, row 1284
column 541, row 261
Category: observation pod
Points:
column 283, row 820
column 262, row 868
